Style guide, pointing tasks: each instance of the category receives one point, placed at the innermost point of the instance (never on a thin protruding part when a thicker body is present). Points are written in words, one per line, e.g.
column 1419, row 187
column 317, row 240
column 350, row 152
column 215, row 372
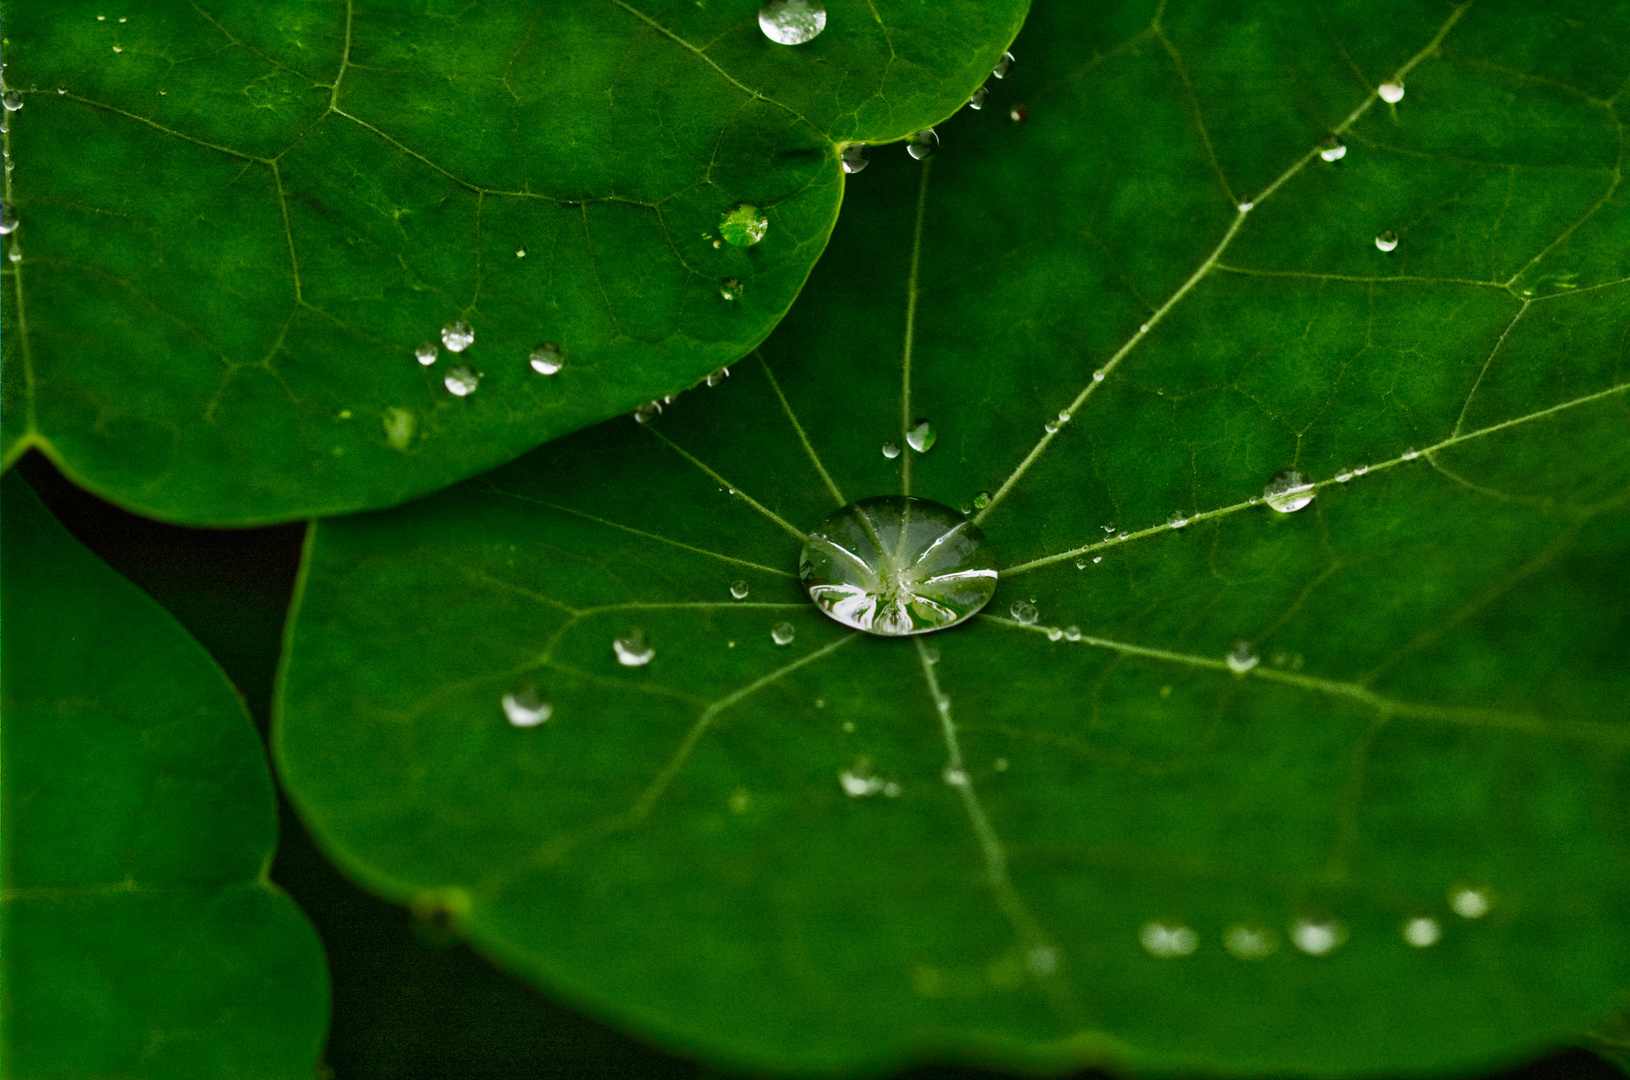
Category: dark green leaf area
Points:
column 1336, row 790
column 141, row 937
column 239, row 221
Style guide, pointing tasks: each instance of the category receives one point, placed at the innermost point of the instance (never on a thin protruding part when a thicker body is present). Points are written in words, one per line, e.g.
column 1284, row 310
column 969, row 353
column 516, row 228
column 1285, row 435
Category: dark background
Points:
column 405, row 1005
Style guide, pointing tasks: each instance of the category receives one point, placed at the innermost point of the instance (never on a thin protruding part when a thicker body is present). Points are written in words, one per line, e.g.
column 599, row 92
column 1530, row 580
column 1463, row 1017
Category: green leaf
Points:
column 1611, row 1039
column 240, row 219
column 141, row 935
column 1433, row 716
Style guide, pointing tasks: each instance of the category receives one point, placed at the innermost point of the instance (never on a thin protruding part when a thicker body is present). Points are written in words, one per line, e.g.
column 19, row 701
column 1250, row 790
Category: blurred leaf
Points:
column 1421, row 779
column 240, row 219
column 1611, row 1039
column 141, row 937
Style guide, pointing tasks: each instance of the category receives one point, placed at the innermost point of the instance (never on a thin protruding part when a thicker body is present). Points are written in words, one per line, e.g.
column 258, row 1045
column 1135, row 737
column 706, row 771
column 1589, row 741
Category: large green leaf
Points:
column 141, row 935
column 240, row 219
column 1433, row 736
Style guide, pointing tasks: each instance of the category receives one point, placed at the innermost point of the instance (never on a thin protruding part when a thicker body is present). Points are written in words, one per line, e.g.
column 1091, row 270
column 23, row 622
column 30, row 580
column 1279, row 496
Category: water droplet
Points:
column 457, row 336
column 1386, row 240
column 854, row 158
column 923, row 143
column 897, row 565
column 1422, row 931
column 1468, row 902
column 931, row 655
column 977, row 99
column 1318, row 937
column 462, row 380
column 1003, row 66
column 1246, row 207
column 526, row 707
column 955, row 776
column 1411, row 454
column 782, row 633
column 546, row 359
column 1167, row 940
column 1098, row 376
column 1360, row 470
column 399, row 425
column 1055, row 634
column 648, row 412
column 12, row 101
column 981, row 500
column 717, row 244
column 1343, row 477
column 1177, row 520
column 8, row 218
column 632, row 649
column 1144, row 329
column 1050, row 427
column 1081, row 563
column 1018, row 114
column 1097, row 558
column 1122, row 535
column 891, row 450
column 1288, row 491
column 1242, row 658
column 1392, row 91
column 730, row 289
column 922, row 436
column 717, row 377
column 859, row 782
column 738, row 589
column 425, row 353
column 1042, row 960
column 1332, row 148
column 520, row 253
column 1248, row 941
column 743, row 226
column 1024, row 611
column 1108, row 526
column 792, row 22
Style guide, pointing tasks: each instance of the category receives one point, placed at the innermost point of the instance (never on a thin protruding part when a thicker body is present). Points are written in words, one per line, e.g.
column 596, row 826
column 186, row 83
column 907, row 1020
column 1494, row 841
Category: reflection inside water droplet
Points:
column 1288, row 491
column 782, row 633
column 743, row 225
column 1242, row 658
column 1422, row 932
column 457, row 336
column 922, row 436
column 462, row 380
column 526, row 707
column 1168, row 940
column 854, row 158
column 923, row 143
column 632, row 649
column 896, row 565
column 792, row 22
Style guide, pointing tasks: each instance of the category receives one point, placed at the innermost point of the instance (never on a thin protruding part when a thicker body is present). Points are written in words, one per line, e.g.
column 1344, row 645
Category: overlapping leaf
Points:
column 141, row 937
column 1388, row 836
column 239, row 220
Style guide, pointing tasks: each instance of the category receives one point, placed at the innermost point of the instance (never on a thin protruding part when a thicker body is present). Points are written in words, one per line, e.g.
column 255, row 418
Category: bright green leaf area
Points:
column 141, row 937
column 239, row 220
column 1397, row 840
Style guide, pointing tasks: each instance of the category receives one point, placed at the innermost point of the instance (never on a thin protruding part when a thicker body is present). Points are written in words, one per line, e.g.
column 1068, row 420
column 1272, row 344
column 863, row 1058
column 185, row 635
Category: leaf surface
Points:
column 240, row 220
column 1394, row 839
column 141, row 936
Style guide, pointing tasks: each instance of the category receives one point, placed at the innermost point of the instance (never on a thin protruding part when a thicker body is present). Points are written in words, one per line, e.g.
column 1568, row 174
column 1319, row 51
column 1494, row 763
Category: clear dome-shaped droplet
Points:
column 730, row 289
column 1072, row 633
column 457, row 336
column 1288, row 491
column 854, row 158
column 1318, row 937
column 1386, row 240
column 922, row 436
column 1391, row 91
column 782, row 633
column 896, row 565
column 8, row 218
column 738, row 589
column 546, row 359
column 1003, row 66
column 792, row 22
column 1332, row 148
column 977, row 99
column 891, row 450
column 1024, row 611
column 12, row 101
column 923, row 143
column 632, row 649
column 1423, row 931
column 525, row 706
column 743, row 226
column 1167, row 940
column 425, row 353
column 1098, row 376
column 1242, row 658
column 462, row 380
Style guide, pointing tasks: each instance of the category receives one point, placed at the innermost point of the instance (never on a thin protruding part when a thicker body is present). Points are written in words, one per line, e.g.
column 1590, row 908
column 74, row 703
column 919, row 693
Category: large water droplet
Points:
column 1332, row 148
column 457, row 336
column 1288, row 491
column 1242, row 658
column 1386, row 240
column 1167, row 940
column 1318, row 937
column 891, row 450
column 632, row 649
column 425, row 353
column 922, row 436
column 738, row 589
column 854, row 158
column 462, row 380
column 1249, row 941
column 792, row 22
column 1422, row 931
column 526, row 707
column 896, row 565
column 743, row 226
column 12, row 101
column 730, row 289
column 8, row 218
column 782, row 633
column 1468, row 902
column 1024, row 611
column 977, row 99
column 1391, row 91
column 923, row 143
column 1003, row 66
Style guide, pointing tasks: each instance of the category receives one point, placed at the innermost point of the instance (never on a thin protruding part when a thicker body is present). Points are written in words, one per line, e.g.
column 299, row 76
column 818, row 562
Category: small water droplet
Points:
column 12, row 101
column 1122, row 535
column 1072, row 633
column 1081, row 563
column 1144, row 329
column 1332, row 148
column 717, row 377
column 782, row 633
column 891, row 450
column 64, row 90
column 1018, row 114
column 1343, row 477
column 860, row 782
column 1097, row 558
column 1288, row 491
column 1168, row 940
column 854, row 158
column 1411, row 454
column 1360, row 470
column 792, row 22
column 1055, row 634
column 1469, row 902
column 1108, row 526
column 1098, row 376
column 525, row 706
column 922, row 436
column 976, row 100
column 632, row 649
column 1391, row 91
column 1248, row 941
column 923, row 143
column 743, row 225
column 1386, row 240
column 1025, row 612
column 896, row 565
column 1242, row 658
column 981, row 500
column 425, row 353
column 1422, row 931
column 1003, row 66
column 1246, row 207
column 955, row 776
column 1318, row 937
column 457, row 336
column 648, row 412
column 1050, row 427
column 462, row 380
column 1177, row 520
column 520, row 253
column 738, row 589
column 717, row 244
column 730, row 289
column 399, row 424
column 8, row 218
column 546, row 359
